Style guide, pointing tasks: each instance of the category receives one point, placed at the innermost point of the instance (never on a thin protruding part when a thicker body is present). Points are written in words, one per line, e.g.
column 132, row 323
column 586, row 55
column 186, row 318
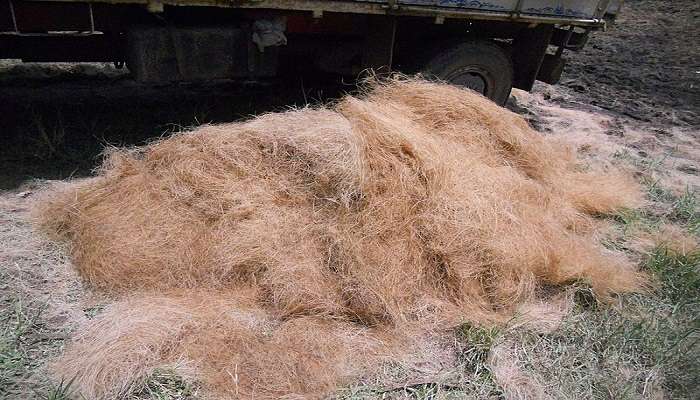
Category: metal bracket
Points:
column 392, row 5
column 516, row 11
column 565, row 43
column 12, row 13
column 92, row 19
column 155, row 6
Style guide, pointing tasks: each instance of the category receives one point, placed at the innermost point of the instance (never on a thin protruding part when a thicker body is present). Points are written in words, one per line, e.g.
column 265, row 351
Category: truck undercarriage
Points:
column 490, row 47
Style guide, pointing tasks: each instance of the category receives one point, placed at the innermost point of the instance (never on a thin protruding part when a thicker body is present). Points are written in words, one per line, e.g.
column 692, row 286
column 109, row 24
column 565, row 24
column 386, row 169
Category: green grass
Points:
column 679, row 275
column 647, row 343
column 477, row 343
column 11, row 362
column 25, row 342
column 685, row 211
column 681, row 210
column 62, row 391
column 165, row 384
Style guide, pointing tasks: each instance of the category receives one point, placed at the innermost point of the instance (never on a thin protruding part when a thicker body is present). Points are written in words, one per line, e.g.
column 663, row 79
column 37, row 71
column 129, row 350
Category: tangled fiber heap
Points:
column 292, row 253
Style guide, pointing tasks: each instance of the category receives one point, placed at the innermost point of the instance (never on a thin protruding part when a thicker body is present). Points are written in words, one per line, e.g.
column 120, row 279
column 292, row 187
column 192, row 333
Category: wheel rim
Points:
column 473, row 78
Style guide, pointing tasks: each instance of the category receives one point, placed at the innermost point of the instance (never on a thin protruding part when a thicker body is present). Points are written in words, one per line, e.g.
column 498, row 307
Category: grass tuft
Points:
column 478, row 342
column 678, row 273
column 62, row 391
column 685, row 211
column 165, row 384
column 646, row 347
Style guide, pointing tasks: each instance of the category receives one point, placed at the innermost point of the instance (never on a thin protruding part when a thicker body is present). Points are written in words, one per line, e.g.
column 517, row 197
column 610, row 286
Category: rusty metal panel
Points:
column 558, row 8
column 563, row 8
column 575, row 12
column 486, row 5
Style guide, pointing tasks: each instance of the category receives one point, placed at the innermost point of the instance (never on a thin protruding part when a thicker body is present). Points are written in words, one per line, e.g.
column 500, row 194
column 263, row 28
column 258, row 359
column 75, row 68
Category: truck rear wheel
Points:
column 480, row 65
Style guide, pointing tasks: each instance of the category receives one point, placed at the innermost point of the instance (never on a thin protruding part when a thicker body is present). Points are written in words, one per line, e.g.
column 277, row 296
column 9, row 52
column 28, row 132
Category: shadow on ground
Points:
column 57, row 119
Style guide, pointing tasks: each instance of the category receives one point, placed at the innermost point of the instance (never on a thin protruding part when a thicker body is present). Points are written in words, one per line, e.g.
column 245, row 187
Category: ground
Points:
column 632, row 98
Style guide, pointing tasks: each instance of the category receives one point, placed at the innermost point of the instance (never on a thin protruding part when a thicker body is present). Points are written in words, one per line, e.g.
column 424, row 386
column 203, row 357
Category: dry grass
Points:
column 39, row 304
column 296, row 252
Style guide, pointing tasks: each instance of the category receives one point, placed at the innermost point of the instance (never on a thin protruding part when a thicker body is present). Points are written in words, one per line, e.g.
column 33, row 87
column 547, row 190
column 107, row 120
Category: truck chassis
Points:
column 490, row 46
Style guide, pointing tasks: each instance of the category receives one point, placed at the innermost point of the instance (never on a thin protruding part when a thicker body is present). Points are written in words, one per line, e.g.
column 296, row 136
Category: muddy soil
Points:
column 646, row 66
column 632, row 94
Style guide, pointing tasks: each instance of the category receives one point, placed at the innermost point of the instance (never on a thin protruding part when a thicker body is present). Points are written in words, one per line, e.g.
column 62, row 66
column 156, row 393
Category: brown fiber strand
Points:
column 292, row 253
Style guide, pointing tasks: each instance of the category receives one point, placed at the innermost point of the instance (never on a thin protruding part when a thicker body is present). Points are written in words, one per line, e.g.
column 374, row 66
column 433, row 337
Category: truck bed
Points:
column 577, row 9
column 569, row 12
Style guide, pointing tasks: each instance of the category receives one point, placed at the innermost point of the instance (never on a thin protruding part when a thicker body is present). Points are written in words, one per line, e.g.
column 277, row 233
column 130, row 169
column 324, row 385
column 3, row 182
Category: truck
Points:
column 490, row 46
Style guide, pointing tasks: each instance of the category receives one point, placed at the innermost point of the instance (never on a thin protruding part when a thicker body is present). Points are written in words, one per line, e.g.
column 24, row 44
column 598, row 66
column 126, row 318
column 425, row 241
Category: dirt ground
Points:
column 637, row 85
column 631, row 97
column 646, row 66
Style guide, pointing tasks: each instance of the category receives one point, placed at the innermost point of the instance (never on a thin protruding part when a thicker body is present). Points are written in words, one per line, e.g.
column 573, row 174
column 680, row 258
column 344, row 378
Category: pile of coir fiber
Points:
column 293, row 253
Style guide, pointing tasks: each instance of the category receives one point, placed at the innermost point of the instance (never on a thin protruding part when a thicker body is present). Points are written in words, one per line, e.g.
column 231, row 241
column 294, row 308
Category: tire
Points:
column 480, row 65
